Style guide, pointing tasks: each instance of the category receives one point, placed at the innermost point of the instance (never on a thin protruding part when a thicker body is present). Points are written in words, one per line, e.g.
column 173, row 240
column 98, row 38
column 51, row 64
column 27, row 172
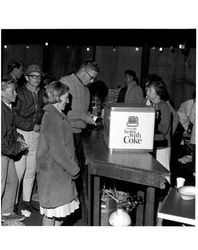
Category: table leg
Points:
column 149, row 206
column 89, row 199
column 96, row 201
column 140, row 210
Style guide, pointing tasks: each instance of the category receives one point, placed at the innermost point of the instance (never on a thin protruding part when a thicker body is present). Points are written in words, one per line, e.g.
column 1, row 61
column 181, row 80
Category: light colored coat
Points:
column 56, row 165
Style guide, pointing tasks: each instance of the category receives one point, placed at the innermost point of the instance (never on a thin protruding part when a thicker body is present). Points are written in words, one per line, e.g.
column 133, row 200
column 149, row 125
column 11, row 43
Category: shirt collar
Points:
column 9, row 105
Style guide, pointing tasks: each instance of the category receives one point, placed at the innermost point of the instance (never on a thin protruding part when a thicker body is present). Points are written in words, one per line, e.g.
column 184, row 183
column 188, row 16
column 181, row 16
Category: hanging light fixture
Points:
column 181, row 46
column 172, row 49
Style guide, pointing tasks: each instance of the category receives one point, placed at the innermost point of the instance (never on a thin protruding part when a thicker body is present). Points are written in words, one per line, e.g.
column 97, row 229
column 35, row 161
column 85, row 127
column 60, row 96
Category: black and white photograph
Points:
column 98, row 125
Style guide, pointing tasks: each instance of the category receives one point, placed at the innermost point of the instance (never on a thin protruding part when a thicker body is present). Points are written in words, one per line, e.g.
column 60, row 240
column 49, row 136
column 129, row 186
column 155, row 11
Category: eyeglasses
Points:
column 91, row 77
column 35, row 77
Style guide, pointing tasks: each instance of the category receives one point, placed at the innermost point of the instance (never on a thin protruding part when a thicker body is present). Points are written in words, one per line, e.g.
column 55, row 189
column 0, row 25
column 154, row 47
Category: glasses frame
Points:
column 91, row 77
column 35, row 77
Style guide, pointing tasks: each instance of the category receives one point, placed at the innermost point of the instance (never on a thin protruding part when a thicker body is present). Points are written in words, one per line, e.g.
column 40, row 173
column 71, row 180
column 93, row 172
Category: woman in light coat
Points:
column 56, row 164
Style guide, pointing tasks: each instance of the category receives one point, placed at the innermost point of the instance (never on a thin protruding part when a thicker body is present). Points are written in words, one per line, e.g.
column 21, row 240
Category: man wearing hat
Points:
column 28, row 110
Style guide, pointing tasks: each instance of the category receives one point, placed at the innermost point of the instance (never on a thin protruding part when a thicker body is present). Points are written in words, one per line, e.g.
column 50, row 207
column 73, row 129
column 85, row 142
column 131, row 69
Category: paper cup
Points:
column 180, row 182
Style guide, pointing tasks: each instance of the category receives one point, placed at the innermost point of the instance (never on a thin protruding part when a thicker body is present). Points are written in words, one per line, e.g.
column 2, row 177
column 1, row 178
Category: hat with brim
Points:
column 33, row 68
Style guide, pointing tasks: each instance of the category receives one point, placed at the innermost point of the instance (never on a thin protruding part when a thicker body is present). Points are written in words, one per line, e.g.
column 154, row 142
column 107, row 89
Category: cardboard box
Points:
column 129, row 127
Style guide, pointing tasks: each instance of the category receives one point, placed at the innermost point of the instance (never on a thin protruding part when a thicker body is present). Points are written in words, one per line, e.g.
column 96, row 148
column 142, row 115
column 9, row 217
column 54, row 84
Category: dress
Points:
column 56, row 165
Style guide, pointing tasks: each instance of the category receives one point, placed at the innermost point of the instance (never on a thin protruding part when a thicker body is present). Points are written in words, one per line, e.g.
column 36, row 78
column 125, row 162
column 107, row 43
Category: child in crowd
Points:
column 56, row 164
column 11, row 145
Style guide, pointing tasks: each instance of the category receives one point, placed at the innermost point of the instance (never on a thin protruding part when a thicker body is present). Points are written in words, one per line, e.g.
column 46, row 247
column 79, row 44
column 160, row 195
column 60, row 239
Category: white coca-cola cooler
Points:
column 129, row 127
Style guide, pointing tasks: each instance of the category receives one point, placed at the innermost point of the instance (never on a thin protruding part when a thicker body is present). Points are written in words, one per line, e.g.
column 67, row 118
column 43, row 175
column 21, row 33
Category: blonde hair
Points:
column 54, row 90
column 5, row 84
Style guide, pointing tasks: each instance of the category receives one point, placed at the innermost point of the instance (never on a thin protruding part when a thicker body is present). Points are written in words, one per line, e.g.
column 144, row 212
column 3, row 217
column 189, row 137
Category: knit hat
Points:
column 33, row 68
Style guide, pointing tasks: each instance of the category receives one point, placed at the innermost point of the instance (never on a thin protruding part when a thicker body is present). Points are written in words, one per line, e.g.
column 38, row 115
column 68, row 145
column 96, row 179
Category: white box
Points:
column 129, row 127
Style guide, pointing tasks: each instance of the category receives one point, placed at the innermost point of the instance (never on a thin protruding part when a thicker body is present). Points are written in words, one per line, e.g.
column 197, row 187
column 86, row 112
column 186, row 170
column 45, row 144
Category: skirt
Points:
column 62, row 211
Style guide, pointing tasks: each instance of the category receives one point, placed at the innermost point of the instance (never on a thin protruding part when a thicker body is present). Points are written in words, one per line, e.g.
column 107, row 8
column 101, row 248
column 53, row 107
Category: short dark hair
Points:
column 54, row 90
column 133, row 74
column 160, row 89
column 153, row 77
column 14, row 64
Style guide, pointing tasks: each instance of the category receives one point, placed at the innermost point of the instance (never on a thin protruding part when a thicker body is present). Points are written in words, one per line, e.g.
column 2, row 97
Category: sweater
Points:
column 80, row 102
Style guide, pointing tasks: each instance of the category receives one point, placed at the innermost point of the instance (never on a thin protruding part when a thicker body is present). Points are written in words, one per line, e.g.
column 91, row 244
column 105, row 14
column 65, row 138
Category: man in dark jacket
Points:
column 11, row 145
column 28, row 111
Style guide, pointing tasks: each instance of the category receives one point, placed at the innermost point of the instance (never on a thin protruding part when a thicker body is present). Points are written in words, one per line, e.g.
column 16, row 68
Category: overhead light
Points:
column 161, row 49
column 172, row 49
column 5, row 46
column 136, row 48
column 88, row 49
column 182, row 46
column 153, row 47
column 114, row 48
column 46, row 44
column 27, row 46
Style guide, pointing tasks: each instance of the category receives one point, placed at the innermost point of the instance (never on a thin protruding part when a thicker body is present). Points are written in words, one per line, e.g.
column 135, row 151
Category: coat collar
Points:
column 51, row 108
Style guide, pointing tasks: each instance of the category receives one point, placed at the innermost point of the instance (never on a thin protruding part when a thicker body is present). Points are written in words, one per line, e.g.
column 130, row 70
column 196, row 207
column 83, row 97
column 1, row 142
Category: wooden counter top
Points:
column 97, row 152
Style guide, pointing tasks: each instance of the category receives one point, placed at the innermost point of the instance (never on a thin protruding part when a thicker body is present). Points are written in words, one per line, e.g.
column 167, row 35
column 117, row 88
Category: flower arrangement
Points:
column 123, row 200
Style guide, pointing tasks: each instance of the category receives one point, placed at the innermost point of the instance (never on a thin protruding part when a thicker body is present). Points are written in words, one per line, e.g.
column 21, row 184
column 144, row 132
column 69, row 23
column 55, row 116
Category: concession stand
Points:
column 121, row 149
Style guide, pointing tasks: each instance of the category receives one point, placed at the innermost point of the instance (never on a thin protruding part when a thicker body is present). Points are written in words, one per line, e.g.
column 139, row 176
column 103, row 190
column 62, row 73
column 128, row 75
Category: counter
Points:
column 140, row 168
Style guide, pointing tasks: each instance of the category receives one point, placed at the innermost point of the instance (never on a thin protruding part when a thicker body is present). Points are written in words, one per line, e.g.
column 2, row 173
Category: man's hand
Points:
column 90, row 120
column 37, row 127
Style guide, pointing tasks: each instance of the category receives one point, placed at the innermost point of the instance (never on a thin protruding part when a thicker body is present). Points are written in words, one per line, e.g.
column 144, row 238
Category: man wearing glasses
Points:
column 78, row 115
column 28, row 110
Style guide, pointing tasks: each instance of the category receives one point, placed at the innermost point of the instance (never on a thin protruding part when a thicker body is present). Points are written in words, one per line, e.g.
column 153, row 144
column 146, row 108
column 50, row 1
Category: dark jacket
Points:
column 28, row 110
column 9, row 144
column 121, row 94
column 56, row 165
column 164, row 125
column 19, row 81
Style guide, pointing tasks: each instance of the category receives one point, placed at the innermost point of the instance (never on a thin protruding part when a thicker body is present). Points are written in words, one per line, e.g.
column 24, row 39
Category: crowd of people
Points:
column 42, row 137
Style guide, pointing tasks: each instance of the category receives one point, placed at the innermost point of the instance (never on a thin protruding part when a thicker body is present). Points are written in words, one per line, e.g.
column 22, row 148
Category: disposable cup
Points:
column 180, row 182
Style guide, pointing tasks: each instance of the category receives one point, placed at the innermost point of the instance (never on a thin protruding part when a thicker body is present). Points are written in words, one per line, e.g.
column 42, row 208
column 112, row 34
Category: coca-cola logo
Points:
column 132, row 121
